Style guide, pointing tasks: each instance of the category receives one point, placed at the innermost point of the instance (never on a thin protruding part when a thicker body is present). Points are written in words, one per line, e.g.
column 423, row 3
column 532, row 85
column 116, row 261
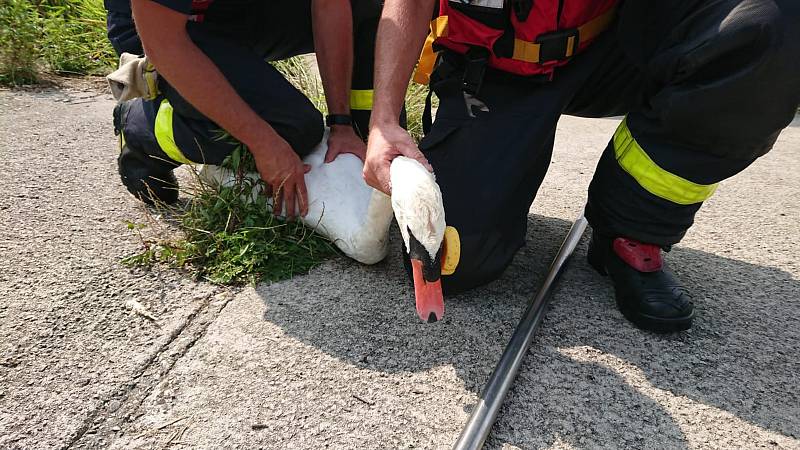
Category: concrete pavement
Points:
column 337, row 359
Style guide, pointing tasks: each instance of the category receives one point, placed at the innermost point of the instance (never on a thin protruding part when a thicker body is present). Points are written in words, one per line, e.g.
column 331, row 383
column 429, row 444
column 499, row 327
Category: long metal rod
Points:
column 494, row 393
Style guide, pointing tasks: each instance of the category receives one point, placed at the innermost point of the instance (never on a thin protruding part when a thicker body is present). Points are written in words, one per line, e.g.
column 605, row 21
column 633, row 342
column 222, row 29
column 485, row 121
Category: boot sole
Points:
column 656, row 324
column 643, row 321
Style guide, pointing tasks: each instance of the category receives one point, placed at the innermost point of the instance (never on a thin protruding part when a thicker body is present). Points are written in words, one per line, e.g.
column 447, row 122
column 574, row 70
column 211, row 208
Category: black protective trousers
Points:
column 240, row 47
column 706, row 87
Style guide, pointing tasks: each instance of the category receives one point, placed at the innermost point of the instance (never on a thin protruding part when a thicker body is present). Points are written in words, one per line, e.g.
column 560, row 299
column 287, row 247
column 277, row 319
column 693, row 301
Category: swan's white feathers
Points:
column 356, row 217
column 341, row 205
column 417, row 204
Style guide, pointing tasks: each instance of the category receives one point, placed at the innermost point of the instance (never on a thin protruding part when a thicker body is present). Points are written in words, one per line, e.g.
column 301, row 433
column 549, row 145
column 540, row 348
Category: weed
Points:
column 20, row 29
column 300, row 73
column 415, row 106
column 225, row 234
column 61, row 36
column 75, row 38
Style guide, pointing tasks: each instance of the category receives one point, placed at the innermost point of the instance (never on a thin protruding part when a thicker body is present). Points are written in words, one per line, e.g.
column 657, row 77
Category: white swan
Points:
column 433, row 248
column 356, row 217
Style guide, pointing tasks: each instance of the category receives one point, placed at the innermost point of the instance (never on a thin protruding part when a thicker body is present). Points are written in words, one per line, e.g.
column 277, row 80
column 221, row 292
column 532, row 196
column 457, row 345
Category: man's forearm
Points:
column 333, row 43
column 401, row 33
column 199, row 80
column 208, row 91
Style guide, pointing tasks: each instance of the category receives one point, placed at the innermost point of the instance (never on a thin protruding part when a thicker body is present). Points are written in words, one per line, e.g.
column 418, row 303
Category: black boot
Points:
column 647, row 293
column 149, row 178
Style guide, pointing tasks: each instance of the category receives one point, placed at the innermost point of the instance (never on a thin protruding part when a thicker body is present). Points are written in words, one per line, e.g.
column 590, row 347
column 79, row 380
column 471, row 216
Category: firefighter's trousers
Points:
column 170, row 128
column 705, row 89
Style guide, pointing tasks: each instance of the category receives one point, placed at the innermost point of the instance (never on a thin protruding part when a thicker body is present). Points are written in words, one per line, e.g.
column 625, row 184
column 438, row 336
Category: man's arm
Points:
column 401, row 33
column 333, row 42
column 200, row 82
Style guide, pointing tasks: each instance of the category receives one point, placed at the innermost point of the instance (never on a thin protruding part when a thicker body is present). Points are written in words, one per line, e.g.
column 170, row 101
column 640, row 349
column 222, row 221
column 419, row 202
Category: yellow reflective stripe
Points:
column 361, row 99
column 634, row 160
column 165, row 136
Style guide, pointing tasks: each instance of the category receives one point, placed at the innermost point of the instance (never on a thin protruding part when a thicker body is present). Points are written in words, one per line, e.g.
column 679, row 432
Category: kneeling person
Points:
column 706, row 88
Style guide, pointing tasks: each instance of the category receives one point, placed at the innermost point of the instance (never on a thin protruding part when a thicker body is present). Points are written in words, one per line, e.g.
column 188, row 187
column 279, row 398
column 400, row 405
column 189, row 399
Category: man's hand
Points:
column 401, row 33
column 201, row 83
column 343, row 139
column 281, row 168
column 384, row 144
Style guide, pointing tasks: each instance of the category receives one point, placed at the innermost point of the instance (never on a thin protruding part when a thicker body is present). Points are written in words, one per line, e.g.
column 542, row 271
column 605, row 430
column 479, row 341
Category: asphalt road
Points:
column 337, row 359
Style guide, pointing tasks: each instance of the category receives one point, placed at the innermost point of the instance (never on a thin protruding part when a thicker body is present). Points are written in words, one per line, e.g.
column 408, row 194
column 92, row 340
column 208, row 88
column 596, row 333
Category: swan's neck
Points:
column 417, row 204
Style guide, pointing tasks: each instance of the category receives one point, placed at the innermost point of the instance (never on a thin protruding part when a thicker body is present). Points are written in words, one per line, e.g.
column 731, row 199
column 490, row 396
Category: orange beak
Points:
column 430, row 302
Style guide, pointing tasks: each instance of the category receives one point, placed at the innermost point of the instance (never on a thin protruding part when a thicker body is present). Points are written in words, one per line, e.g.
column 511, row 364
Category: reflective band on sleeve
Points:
column 634, row 160
column 165, row 136
column 361, row 99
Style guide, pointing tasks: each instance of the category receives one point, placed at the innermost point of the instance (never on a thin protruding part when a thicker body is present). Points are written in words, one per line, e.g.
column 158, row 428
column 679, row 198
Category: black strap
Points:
column 475, row 61
column 338, row 119
column 427, row 113
column 522, row 9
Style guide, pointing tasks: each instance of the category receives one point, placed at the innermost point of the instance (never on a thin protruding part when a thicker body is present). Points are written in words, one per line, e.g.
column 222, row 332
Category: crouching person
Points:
column 214, row 84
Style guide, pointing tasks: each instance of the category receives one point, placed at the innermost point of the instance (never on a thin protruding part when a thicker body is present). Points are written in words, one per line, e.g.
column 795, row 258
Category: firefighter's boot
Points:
column 647, row 293
column 148, row 177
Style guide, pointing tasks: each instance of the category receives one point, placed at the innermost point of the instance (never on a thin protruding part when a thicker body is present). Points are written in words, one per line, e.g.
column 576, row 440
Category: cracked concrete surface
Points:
column 337, row 359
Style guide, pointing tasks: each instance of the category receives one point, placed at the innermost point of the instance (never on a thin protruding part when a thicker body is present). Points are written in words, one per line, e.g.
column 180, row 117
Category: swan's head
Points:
column 417, row 204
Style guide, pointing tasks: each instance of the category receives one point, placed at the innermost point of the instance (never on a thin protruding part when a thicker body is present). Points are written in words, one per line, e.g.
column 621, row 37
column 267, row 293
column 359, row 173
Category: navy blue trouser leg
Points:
column 718, row 84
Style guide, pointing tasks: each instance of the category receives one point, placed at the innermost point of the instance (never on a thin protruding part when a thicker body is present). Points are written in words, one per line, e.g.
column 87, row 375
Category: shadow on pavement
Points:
column 591, row 379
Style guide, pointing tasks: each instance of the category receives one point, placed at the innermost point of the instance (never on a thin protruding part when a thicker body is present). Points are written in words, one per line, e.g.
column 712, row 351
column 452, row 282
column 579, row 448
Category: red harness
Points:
column 522, row 37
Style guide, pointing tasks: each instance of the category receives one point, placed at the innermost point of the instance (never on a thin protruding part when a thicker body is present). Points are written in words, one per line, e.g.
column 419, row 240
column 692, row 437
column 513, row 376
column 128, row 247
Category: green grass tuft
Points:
column 59, row 36
column 75, row 38
column 224, row 235
column 20, row 30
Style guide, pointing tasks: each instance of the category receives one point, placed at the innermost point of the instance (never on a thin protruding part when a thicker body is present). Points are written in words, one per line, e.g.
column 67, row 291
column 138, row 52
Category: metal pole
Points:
column 485, row 413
